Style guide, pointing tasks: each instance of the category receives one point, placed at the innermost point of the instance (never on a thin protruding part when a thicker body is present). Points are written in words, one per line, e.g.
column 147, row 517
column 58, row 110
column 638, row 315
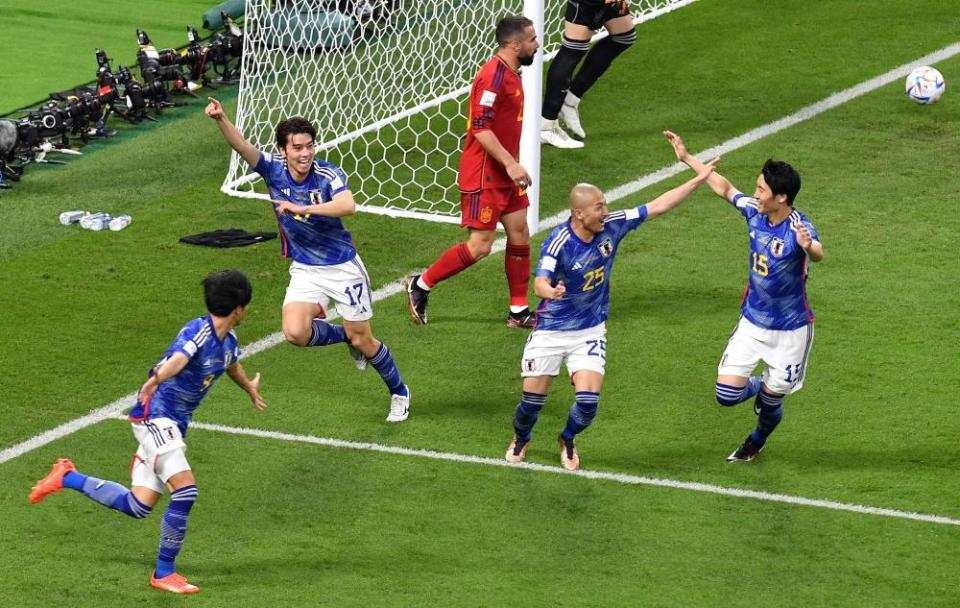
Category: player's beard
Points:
column 526, row 59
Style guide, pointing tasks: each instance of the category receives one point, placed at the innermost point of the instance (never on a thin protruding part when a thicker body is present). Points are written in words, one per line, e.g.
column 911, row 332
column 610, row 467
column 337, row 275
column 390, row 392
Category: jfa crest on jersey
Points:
column 209, row 357
column 585, row 270
column 776, row 295
column 309, row 239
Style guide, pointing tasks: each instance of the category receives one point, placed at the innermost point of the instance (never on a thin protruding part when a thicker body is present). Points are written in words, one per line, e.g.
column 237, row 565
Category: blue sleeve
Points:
column 746, row 205
column 184, row 343
column 267, row 167
column 337, row 182
column 550, row 255
column 619, row 223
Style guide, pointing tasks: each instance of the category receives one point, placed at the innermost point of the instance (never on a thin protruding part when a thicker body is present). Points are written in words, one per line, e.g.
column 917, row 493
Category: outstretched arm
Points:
column 233, row 136
column 720, row 185
column 672, row 198
column 239, row 376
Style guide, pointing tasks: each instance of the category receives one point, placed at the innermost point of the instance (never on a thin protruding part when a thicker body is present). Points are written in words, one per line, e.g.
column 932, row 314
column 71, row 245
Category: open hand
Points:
column 679, row 148
column 707, row 169
column 255, row 394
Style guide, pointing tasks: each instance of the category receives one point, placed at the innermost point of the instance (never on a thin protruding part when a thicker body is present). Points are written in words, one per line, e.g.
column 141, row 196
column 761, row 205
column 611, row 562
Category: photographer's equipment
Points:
column 216, row 16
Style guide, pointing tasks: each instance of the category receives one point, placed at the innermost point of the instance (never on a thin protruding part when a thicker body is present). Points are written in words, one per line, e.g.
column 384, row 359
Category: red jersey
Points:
column 496, row 104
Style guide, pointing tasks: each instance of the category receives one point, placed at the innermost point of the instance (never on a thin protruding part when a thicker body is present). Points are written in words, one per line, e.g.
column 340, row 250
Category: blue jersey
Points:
column 178, row 397
column 776, row 296
column 585, row 271
column 309, row 239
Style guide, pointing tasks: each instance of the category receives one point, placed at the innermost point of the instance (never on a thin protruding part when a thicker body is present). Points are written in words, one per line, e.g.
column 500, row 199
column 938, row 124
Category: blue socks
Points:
column 323, row 333
column 108, row 493
column 731, row 395
column 173, row 528
column 526, row 414
column 383, row 362
column 581, row 414
column 769, row 410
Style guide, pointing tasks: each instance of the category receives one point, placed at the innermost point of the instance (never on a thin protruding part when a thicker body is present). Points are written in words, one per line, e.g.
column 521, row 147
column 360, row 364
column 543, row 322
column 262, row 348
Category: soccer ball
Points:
column 925, row 85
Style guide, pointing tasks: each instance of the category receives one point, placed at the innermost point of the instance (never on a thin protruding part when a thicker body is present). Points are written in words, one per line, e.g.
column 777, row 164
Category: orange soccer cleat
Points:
column 53, row 482
column 174, row 583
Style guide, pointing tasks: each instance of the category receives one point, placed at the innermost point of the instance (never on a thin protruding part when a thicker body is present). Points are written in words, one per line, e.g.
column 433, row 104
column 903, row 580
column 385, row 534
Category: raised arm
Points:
column 671, row 198
column 720, row 185
column 233, row 136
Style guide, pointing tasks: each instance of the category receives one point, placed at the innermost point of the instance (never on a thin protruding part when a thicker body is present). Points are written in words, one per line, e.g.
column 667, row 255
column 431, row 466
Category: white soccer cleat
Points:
column 399, row 407
column 552, row 135
column 570, row 115
column 359, row 361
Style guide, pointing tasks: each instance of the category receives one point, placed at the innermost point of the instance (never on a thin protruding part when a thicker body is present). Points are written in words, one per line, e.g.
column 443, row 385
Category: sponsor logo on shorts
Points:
column 529, row 365
column 486, row 214
column 168, row 431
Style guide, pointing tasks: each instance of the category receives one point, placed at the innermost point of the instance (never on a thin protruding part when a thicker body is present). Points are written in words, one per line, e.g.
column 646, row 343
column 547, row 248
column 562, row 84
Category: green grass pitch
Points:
column 83, row 314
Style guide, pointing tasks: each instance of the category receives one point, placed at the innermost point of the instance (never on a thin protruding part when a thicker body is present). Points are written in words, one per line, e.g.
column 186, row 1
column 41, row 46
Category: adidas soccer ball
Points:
column 925, row 85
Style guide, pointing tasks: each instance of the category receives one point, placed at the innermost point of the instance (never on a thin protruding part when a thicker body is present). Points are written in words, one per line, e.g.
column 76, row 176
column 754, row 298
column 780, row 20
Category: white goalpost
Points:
column 385, row 83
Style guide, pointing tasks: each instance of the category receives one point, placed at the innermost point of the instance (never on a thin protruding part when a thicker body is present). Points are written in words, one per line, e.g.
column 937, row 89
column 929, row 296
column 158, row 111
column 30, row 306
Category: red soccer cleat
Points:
column 174, row 583
column 53, row 482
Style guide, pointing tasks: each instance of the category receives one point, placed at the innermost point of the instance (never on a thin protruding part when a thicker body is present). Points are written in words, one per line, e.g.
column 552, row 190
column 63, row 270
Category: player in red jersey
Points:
column 492, row 182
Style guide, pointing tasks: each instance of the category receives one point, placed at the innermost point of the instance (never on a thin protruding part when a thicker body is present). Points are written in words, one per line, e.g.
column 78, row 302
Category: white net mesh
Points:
column 384, row 82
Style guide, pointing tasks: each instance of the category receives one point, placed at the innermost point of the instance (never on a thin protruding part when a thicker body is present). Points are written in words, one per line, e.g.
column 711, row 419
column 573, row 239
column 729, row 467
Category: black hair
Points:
column 511, row 27
column 223, row 291
column 782, row 179
column 293, row 126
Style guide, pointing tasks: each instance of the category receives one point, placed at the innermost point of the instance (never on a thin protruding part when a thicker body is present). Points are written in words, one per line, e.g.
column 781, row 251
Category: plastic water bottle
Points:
column 71, row 217
column 95, row 221
column 120, row 222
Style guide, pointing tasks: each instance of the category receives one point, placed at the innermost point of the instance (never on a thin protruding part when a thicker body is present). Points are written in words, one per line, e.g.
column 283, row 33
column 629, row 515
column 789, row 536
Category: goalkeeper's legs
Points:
column 622, row 36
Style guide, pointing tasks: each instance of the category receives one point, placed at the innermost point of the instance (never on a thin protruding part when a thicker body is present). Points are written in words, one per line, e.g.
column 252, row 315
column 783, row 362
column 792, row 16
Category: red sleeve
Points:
column 483, row 96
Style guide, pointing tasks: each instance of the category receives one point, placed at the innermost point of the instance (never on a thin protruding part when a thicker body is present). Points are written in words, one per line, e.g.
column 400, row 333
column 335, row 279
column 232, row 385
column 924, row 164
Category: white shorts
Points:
column 161, row 455
column 582, row 349
column 785, row 353
column 347, row 284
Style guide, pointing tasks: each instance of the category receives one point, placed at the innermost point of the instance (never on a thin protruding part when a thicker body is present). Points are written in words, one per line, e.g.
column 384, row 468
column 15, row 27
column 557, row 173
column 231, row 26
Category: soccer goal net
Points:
column 385, row 83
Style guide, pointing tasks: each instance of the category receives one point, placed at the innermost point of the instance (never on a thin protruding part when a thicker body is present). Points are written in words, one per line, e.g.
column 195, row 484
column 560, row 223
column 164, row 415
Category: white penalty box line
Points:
column 622, row 478
column 115, row 408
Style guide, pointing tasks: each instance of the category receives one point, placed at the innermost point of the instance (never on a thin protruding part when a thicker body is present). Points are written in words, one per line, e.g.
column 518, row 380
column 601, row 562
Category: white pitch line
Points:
column 617, row 477
column 619, row 192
